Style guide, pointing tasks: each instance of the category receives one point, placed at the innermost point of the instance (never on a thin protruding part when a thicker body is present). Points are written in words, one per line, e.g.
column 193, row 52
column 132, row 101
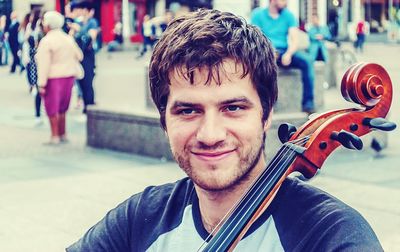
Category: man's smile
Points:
column 212, row 155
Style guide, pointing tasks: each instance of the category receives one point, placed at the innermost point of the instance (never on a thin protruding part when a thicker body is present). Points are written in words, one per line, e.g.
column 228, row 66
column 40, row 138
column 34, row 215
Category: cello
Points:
column 305, row 149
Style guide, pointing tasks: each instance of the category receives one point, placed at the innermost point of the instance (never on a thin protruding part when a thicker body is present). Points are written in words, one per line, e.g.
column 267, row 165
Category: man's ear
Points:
column 268, row 122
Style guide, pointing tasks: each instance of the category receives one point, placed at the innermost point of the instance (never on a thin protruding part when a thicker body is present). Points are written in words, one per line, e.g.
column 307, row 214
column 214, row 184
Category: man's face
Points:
column 315, row 20
column 68, row 11
column 216, row 132
column 13, row 15
column 279, row 4
column 80, row 13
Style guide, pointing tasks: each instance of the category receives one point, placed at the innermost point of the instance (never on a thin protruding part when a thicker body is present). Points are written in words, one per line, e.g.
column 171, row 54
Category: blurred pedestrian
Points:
column 280, row 26
column 4, row 47
column 333, row 24
column 361, row 31
column 57, row 58
column 318, row 35
column 168, row 17
column 33, row 35
column 14, row 41
column 149, row 34
column 93, row 24
column 117, row 42
column 23, row 33
column 69, row 17
column 85, row 30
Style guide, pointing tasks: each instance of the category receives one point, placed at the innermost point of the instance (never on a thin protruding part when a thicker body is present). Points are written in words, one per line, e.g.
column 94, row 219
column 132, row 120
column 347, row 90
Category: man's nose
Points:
column 211, row 130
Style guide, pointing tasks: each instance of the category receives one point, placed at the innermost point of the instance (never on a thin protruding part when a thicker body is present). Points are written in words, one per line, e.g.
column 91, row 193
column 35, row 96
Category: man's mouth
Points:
column 212, row 155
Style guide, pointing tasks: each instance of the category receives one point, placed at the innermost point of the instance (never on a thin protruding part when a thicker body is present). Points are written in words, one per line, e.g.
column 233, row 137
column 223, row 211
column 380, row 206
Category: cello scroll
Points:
column 365, row 84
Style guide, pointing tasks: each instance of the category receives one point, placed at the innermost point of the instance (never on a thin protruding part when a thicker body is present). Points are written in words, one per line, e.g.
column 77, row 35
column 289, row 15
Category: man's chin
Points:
column 215, row 181
column 280, row 10
column 213, row 186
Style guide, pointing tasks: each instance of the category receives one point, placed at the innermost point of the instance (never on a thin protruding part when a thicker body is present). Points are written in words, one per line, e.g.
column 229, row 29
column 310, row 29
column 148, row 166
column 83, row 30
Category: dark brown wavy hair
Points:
column 204, row 39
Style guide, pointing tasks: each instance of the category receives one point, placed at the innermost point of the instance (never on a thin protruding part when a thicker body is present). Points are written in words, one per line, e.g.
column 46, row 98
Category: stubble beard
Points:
column 247, row 162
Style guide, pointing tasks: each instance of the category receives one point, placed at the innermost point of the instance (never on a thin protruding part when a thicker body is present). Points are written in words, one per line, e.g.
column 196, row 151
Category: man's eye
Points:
column 233, row 108
column 187, row 111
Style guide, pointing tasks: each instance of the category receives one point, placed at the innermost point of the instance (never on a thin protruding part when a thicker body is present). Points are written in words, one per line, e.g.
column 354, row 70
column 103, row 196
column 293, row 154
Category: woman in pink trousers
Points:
column 58, row 58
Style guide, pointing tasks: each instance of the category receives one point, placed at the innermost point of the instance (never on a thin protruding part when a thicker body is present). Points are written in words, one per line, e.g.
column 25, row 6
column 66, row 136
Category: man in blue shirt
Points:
column 280, row 26
column 318, row 35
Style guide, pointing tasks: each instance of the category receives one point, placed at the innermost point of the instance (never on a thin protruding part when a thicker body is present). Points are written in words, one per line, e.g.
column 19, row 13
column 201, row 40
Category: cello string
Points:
column 252, row 202
column 270, row 169
column 263, row 190
column 272, row 166
column 248, row 208
column 236, row 205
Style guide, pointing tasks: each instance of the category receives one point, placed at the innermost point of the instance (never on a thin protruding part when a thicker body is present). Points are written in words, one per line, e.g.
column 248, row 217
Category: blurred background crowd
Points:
column 115, row 25
column 47, row 188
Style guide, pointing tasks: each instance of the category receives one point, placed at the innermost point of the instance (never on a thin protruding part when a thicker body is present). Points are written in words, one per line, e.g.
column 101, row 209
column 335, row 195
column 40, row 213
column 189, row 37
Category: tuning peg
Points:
column 285, row 132
column 379, row 123
column 347, row 139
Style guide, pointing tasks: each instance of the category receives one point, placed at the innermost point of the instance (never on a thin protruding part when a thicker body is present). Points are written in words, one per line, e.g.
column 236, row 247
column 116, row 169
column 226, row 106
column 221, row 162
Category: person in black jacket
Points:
column 3, row 20
column 213, row 79
column 85, row 30
column 13, row 41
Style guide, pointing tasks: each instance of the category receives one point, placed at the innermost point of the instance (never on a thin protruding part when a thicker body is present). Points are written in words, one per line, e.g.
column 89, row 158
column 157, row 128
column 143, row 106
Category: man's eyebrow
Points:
column 177, row 104
column 241, row 99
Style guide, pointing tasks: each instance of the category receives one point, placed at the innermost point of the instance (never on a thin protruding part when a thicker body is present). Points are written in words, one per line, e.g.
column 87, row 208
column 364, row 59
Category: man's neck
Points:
column 215, row 205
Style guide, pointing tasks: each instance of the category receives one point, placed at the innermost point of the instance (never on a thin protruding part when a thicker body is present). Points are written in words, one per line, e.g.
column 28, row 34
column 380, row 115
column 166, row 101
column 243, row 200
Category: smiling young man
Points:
column 213, row 80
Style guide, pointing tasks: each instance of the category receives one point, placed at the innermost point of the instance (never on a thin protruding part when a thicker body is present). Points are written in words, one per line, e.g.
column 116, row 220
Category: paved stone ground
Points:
column 51, row 195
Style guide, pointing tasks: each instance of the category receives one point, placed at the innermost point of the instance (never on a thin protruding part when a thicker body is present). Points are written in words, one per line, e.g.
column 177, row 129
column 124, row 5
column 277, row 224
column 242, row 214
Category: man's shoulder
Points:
column 138, row 221
column 163, row 192
column 52, row 38
column 311, row 198
column 259, row 11
column 155, row 201
column 287, row 14
column 46, row 40
column 323, row 220
column 14, row 27
column 92, row 23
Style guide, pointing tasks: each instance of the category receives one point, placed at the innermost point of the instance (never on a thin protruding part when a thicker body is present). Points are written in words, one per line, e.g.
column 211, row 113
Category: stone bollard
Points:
column 320, row 81
column 138, row 133
column 331, row 69
column 290, row 89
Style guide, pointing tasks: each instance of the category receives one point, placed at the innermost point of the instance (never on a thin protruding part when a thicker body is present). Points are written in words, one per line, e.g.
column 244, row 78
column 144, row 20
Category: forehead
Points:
column 80, row 9
column 228, row 69
column 281, row 2
column 230, row 84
